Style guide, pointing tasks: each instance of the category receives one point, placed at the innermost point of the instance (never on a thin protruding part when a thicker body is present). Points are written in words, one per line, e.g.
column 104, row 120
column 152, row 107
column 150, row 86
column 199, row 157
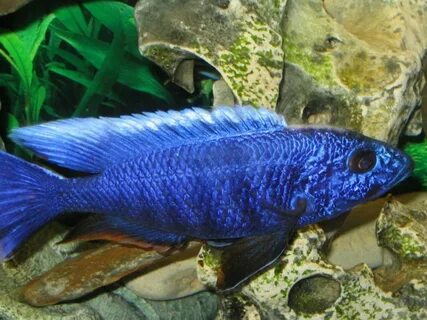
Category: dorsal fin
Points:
column 92, row 144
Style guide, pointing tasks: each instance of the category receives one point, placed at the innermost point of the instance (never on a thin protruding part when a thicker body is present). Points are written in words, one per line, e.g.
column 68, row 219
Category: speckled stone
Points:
column 354, row 64
column 240, row 38
column 403, row 229
column 268, row 294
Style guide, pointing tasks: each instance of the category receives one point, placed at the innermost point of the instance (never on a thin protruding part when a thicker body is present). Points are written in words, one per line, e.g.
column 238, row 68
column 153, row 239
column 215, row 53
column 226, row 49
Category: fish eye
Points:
column 362, row 161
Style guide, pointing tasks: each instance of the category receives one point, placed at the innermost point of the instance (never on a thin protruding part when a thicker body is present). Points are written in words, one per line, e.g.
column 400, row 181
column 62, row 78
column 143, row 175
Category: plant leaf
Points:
column 124, row 20
column 12, row 122
column 8, row 81
column 33, row 34
column 51, row 111
column 37, row 103
column 133, row 72
column 104, row 79
column 82, row 79
column 73, row 75
column 72, row 18
column 73, row 59
column 17, row 56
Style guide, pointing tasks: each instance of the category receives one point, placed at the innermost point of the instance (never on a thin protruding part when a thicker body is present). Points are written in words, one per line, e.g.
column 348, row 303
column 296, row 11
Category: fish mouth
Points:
column 404, row 172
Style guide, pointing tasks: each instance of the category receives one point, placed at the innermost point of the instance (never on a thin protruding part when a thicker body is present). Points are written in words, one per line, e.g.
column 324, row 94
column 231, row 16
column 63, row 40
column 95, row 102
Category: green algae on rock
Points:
column 404, row 230
column 352, row 293
column 236, row 38
column 367, row 55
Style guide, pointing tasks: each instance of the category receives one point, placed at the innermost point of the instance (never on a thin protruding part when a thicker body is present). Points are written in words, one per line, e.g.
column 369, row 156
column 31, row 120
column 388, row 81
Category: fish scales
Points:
column 167, row 196
column 239, row 178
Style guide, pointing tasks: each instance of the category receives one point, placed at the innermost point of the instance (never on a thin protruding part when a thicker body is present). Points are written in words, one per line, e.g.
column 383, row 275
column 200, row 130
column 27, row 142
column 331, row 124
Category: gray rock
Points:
column 222, row 94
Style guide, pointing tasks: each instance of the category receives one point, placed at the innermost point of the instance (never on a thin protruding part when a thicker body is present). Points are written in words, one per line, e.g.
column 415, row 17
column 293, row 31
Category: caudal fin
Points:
column 26, row 201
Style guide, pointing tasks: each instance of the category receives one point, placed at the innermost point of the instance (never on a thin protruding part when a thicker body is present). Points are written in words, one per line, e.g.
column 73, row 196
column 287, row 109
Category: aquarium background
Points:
column 69, row 59
column 62, row 59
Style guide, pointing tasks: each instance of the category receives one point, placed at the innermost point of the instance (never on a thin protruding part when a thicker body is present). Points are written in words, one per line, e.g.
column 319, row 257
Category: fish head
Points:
column 350, row 169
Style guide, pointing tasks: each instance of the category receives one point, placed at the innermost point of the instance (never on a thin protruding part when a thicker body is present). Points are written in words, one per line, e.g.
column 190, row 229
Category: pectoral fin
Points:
column 248, row 256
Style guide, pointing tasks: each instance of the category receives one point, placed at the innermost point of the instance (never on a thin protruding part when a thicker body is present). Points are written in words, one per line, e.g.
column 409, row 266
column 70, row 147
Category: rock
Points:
column 43, row 252
column 303, row 285
column 92, row 269
column 83, row 274
column 403, row 230
column 424, row 97
column 9, row 6
column 175, row 280
column 354, row 64
column 183, row 75
column 222, row 94
column 314, row 294
column 415, row 124
column 240, row 38
column 359, row 245
column 357, row 241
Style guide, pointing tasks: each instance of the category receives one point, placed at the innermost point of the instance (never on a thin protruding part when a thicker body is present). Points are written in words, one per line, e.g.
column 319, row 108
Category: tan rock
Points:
column 304, row 285
column 240, row 38
column 9, row 6
column 354, row 64
column 175, row 280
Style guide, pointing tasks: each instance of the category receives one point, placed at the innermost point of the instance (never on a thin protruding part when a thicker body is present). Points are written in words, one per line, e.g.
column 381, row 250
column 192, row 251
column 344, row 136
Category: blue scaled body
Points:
column 169, row 177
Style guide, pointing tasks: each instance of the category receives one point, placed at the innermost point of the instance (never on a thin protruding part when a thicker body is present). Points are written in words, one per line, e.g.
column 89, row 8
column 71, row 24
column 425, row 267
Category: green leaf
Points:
column 51, row 111
column 136, row 74
column 37, row 103
column 73, row 75
column 124, row 20
column 22, row 46
column 8, row 81
column 81, row 79
column 103, row 11
column 72, row 18
column 207, row 87
column 12, row 122
column 73, row 59
column 104, row 79
column 133, row 72
column 17, row 56
column 33, row 34
column 93, row 50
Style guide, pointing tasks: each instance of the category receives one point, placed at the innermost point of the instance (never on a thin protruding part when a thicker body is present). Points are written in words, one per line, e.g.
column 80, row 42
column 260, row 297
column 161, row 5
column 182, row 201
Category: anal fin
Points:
column 110, row 228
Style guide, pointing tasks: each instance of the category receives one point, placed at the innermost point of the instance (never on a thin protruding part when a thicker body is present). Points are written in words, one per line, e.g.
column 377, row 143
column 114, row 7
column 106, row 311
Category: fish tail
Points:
column 27, row 201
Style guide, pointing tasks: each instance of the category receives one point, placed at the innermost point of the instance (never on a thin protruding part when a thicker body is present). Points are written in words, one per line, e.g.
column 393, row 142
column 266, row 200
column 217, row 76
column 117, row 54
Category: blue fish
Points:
column 239, row 178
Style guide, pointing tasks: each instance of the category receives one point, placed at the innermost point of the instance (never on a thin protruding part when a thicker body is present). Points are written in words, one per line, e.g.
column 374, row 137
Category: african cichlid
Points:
column 238, row 177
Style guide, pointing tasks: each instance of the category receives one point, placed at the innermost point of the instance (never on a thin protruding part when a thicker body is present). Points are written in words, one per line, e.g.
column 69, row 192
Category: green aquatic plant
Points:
column 114, row 61
column 74, row 60
column 418, row 152
column 19, row 49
